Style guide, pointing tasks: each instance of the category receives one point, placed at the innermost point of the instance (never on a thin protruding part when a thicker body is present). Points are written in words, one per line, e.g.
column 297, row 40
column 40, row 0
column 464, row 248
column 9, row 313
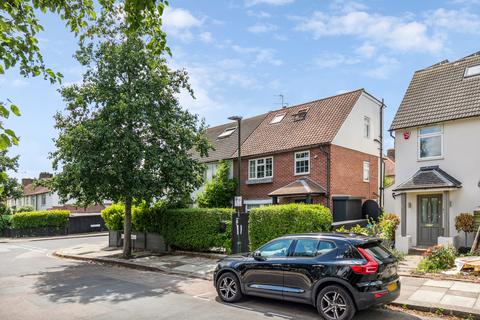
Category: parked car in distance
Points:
column 338, row 273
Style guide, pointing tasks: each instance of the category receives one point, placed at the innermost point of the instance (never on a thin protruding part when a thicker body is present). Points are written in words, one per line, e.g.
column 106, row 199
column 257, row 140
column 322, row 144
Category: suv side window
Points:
column 278, row 248
column 312, row 247
column 350, row 252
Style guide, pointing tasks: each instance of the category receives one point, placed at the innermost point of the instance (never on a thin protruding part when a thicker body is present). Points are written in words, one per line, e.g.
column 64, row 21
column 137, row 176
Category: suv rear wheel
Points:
column 334, row 303
column 228, row 287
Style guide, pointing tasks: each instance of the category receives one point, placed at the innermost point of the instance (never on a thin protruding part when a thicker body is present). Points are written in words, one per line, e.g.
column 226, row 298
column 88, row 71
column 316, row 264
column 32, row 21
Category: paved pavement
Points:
column 36, row 285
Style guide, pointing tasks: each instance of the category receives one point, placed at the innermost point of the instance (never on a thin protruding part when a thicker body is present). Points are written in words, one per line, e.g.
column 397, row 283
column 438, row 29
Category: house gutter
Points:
column 325, row 149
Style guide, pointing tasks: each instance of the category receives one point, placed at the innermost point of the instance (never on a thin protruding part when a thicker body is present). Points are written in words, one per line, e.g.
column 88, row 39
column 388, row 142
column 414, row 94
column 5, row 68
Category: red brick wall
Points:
column 347, row 173
column 283, row 174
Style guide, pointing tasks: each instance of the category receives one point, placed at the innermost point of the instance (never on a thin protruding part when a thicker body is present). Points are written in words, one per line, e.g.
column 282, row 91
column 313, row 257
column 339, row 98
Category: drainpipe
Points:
column 382, row 185
column 326, row 151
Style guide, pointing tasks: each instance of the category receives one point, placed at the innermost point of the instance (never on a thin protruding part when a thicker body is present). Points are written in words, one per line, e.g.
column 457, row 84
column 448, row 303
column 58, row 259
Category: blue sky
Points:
column 242, row 54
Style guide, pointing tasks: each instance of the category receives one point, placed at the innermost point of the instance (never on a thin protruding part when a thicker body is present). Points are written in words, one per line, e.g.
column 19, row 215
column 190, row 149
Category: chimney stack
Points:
column 391, row 154
column 45, row 175
column 26, row 181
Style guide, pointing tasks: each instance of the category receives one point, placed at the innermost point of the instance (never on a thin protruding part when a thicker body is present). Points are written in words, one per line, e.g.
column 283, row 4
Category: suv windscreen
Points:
column 377, row 251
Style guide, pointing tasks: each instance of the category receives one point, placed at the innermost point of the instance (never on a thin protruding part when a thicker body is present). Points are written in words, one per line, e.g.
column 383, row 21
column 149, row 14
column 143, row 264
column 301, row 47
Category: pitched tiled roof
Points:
column 299, row 187
column 429, row 178
column 440, row 93
column 224, row 148
column 30, row 190
column 320, row 125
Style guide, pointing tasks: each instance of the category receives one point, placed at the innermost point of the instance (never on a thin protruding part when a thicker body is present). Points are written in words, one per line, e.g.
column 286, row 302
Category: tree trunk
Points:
column 127, row 229
column 475, row 242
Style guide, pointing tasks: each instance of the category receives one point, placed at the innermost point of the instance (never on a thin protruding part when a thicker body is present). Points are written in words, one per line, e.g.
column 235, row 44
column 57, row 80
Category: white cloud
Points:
column 206, row 37
column 175, row 19
column 258, row 14
column 329, row 60
column 392, row 32
column 19, row 83
column 261, row 55
column 366, row 50
column 250, row 3
column 262, row 28
column 231, row 63
column 455, row 20
column 385, row 67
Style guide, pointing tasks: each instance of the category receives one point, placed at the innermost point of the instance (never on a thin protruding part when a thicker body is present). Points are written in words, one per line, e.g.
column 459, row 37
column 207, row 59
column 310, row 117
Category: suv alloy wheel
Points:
column 228, row 287
column 334, row 303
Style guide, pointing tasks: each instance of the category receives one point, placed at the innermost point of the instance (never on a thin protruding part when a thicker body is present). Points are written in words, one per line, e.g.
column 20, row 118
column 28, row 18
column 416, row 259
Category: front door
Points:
column 429, row 219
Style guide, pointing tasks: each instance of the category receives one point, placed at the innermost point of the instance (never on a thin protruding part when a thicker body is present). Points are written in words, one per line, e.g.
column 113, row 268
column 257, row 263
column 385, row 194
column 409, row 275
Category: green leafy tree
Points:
column 9, row 187
column 123, row 135
column 20, row 25
column 220, row 191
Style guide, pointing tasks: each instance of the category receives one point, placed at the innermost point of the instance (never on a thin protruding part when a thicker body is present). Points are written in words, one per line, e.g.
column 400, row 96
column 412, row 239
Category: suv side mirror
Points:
column 257, row 255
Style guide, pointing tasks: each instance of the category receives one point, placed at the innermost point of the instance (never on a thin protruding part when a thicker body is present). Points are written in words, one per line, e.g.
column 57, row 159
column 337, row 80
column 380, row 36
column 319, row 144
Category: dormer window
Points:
column 300, row 115
column 227, row 133
column 278, row 118
column 472, row 71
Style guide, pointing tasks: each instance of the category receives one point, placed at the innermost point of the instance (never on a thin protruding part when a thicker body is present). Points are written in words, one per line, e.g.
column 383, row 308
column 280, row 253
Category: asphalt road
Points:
column 36, row 285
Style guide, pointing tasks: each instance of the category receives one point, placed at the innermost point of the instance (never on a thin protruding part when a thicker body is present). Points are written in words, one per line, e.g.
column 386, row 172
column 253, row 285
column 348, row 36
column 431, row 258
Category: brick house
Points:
column 312, row 152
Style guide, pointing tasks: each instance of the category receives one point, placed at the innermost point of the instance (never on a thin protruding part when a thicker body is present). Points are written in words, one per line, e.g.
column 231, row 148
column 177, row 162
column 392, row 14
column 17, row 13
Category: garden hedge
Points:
column 196, row 229
column 40, row 219
column 267, row 223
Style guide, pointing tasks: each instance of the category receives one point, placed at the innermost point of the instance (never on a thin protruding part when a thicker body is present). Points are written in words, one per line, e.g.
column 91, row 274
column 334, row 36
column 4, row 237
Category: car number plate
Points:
column 392, row 287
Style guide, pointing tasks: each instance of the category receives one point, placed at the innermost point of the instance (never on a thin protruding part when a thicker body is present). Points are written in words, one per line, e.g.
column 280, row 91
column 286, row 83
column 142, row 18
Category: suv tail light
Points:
column 371, row 267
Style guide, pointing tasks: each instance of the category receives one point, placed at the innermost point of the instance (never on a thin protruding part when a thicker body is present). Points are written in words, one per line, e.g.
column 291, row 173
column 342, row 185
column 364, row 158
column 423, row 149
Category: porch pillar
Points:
column 446, row 214
column 403, row 214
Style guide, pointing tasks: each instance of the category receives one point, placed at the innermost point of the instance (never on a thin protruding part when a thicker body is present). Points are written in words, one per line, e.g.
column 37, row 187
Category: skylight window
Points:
column 301, row 114
column 278, row 117
column 472, row 71
column 228, row 132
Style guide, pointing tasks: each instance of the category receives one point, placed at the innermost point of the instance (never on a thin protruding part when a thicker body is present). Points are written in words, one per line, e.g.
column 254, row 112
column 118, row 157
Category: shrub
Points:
column 114, row 214
column 218, row 192
column 39, row 219
column 267, row 223
column 5, row 221
column 198, row 229
column 25, row 209
column 387, row 225
column 149, row 219
column 437, row 258
column 465, row 222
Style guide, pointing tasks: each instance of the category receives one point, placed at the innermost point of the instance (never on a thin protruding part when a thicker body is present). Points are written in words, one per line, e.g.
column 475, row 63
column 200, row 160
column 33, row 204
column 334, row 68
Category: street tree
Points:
column 123, row 135
column 20, row 25
column 9, row 186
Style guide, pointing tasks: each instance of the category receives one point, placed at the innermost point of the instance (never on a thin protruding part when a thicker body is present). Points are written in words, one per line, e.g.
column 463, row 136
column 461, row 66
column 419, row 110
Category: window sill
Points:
column 302, row 174
column 259, row 181
column 429, row 159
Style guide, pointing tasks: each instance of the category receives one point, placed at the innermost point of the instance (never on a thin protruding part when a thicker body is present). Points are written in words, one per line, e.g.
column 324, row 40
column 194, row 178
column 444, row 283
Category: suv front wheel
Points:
column 228, row 287
column 334, row 303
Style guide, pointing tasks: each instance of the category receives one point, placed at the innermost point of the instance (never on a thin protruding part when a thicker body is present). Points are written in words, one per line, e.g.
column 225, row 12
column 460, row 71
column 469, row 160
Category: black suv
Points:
column 338, row 273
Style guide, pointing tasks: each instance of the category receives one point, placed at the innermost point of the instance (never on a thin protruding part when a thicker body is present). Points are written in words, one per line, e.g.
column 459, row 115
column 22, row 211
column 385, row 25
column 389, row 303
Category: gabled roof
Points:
column 320, row 124
column 224, row 148
column 301, row 186
column 440, row 93
column 429, row 178
column 30, row 190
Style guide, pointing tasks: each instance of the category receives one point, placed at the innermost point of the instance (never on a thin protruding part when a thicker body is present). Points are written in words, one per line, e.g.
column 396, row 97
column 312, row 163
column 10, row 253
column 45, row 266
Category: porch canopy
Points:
column 427, row 178
column 301, row 187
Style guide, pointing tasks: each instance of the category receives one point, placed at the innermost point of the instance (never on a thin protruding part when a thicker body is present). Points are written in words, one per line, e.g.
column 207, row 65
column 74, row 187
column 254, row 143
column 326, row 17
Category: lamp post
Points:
column 239, row 151
column 238, row 244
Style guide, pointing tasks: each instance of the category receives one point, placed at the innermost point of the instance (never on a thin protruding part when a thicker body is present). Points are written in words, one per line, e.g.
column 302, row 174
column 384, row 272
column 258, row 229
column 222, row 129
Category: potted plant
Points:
column 465, row 222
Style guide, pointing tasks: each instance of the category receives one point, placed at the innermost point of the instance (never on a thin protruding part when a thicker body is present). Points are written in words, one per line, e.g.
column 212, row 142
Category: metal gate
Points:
column 240, row 232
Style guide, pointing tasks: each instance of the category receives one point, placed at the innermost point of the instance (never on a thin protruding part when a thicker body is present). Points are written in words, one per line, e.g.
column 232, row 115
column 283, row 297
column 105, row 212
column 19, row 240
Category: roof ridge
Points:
column 317, row 100
column 234, row 122
column 447, row 62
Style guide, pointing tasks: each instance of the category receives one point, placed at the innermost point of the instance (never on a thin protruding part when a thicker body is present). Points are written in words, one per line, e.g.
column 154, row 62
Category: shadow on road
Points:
column 289, row 310
column 83, row 284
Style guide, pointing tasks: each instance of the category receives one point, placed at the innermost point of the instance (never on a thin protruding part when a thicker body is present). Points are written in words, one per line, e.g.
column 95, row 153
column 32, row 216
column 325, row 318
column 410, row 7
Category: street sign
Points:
column 133, row 236
column 238, row 201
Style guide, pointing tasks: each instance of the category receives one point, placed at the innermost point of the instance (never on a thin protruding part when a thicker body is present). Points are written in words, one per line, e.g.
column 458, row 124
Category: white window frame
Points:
column 257, row 165
column 474, row 73
column 227, row 132
column 367, row 127
column 429, row 135
column 278, row 118
column 295, row 160
column 43, row 199
column 366, row 171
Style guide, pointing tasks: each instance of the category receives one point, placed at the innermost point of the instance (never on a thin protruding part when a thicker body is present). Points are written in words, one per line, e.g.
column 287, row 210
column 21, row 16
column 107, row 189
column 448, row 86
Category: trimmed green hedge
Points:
column 40, row 219
column 5, row 221
column 198, row 229
column 267, row 223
